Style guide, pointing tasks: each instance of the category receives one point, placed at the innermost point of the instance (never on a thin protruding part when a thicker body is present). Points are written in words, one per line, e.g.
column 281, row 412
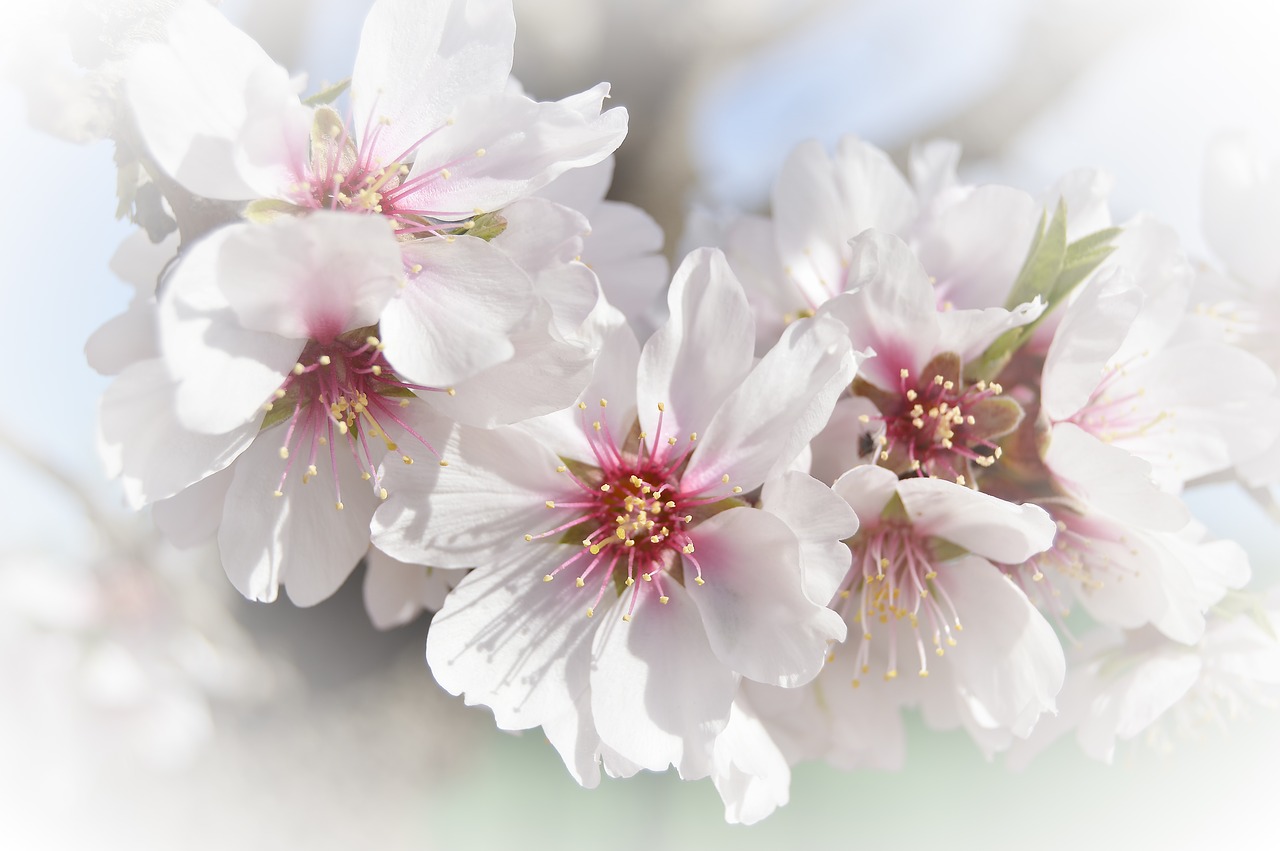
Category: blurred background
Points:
column 143, row 704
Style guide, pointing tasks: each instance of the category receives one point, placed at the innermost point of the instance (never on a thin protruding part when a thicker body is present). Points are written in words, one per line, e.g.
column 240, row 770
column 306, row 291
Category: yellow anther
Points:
column 863, row 418
column 298, row 369
column 596, row 425
column 604, row 403
column 279, row 394
column 407, row 460
column 662, row 406
column 277, row 493
column 444, row 463
column 548, row 578
column 904, row 373
column 550, row 504
column 647, row 577
column 630, row 582
column 284, row 452
column 699, row 580
column 445, row 173
column 664, row 599
column 725, row 478
column 325, row 360
column 578, row 582
column 626, row 618
column 890, row 674
column 480, row 152
column 338, row 505
column 737, row 489
column 671, row 441
column 591, row 613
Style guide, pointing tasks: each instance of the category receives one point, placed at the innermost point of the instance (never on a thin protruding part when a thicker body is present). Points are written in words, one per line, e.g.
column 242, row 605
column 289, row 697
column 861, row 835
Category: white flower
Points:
column 433, row 135
column 923, row 594
column 622, row 582
column 269, row 372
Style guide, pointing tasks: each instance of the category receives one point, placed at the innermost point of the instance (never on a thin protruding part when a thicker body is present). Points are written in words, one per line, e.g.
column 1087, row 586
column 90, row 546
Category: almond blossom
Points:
column 625, row 578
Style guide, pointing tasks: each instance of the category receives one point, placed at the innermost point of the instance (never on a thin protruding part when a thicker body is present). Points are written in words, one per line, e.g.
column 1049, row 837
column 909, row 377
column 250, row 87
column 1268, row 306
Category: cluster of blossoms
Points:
column 884, row 441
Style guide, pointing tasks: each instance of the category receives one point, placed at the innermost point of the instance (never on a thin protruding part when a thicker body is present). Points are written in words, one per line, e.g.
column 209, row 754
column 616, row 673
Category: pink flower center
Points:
column 359, row 175
column 892, row 580
column 930, row 427
column 632, row 514
column 342, row 391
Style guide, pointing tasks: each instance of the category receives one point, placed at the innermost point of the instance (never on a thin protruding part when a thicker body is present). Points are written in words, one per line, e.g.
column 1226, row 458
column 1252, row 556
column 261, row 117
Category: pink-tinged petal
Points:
column 821, row 521
column 868, row 490
column 310, row 277
column 574, row 737
column 507, row 640
column 213, row 110
column 1091, row 332
column 974, row 246
column 192, row 516
column 1112, row 480
column 750, row 773
column 658, row 693
column 847, row 441
column 890, row 308
column 300, row 539
column 819, row 203
column 758, row 619
column 478, row 509
column 418, row 62
column 1008, row 662
column 396, row 592
column 502, row 147
column 777, row 409
column 676, row 369
column 1242, row 200
column 224, row 372
column 156, row 456
column 457, row 316
column 985, row 525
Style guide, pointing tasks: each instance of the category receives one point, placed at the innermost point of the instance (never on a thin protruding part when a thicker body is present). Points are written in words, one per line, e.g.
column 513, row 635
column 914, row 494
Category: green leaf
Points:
column 1052, row 270
column 328, row 94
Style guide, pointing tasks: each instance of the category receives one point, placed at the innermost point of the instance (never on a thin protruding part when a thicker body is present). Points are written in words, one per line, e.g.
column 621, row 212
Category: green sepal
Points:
column 328, row 94
column 1052, row 270
column 486, row 226
column 264, row 210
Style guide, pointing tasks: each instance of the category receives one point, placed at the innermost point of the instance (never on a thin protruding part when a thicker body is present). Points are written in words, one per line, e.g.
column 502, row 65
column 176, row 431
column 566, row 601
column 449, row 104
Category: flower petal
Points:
column 395, row 592
column 985, row 525
column 658, row 693
column 758, row 619
column 418, row 62
column 192, row 516
column 707, row 304
column 310, row 277
column 457, row 316
column 777, row 409
column 214, row 110
column 822, row 521
column 868, row 490
column 299, row 539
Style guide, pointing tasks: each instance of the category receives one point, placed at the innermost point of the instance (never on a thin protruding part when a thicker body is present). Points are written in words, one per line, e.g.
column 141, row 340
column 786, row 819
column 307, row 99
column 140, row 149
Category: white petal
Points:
column 582, row 189
column 192, row 516
column 758, row 619
column 866, row 729
column 777, row 409
column 751, row 774
column 310, row 277
column 503, row 147
column 890, row 308
column 213, row 109
column 821, row 521
column 1241, row 201
column 983, row 524
column 457, row 317
column 707, row 304
column 868, row 490
column 1091, row 332
column 1008, row 661
column 300, row 539
column 969, row 333
column 158, row 456
column 574, row 736
column 1112, row 480
column 507, row 640
column 224, row 372
column 395, row 592
column 479, row 508
column 658, row 693
column 624, row 250
column 772, row 293
column 418, row 62
column 974, row 246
